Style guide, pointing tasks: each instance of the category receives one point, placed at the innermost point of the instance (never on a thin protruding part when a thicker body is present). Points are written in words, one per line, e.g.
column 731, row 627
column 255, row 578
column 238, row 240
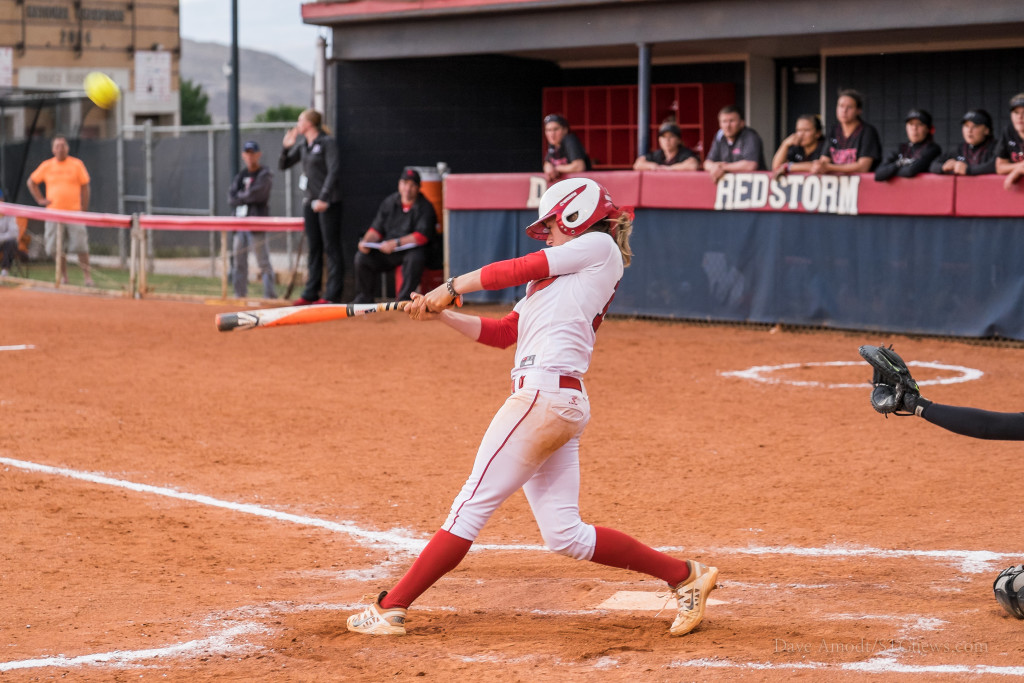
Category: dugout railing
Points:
column 138, row 228
column 937, row 255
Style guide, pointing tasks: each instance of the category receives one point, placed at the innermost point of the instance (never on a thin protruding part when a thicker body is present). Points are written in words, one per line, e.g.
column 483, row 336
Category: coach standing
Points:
column 310, row 143
column 67, row 189
column 249, row 195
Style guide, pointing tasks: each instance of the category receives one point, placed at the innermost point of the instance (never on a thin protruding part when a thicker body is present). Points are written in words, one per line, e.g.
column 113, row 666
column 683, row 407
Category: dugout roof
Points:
column 608, row 31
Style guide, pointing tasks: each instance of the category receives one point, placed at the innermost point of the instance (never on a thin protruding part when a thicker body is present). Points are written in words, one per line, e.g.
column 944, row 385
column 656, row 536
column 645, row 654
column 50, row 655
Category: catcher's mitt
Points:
column 895, row 392
column 1009, row 590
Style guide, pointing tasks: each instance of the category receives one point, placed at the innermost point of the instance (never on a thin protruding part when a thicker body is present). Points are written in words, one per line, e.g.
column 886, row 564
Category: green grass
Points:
column 117, row 280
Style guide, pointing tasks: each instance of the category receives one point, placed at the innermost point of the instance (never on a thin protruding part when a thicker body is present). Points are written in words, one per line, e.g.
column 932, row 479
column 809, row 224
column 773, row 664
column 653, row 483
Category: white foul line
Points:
column 391, row 540
column 972, row 561
column 17, row 347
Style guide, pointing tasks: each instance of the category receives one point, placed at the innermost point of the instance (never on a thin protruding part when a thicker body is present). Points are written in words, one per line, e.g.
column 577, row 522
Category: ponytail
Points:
column 620, row 229
column 316, row 120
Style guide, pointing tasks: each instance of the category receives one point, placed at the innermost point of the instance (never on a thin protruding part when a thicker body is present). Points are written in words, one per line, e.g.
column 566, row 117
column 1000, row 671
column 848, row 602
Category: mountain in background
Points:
column 266, row 80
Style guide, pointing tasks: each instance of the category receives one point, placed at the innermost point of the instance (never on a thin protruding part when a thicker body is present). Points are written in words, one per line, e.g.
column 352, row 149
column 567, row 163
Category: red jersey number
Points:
column 599, row 318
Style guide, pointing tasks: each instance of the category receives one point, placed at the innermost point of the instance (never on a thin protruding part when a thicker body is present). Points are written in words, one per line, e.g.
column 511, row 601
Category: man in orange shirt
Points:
column 67, row 189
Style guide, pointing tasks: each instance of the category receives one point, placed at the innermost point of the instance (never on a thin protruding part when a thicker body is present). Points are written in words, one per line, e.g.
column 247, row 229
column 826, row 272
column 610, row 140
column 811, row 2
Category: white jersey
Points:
column 559, row 316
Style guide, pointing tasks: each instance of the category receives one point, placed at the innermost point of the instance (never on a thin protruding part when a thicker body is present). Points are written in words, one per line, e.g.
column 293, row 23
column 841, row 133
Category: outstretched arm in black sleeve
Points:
column 979, row 424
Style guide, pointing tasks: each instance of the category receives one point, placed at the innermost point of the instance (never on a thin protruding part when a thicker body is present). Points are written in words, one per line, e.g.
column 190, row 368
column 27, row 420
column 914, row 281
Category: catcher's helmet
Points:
column 1009, row 590
column 576, row 204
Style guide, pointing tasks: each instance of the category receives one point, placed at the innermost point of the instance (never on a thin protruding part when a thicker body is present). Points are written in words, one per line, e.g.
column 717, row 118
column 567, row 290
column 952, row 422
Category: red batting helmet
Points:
column 576, row 204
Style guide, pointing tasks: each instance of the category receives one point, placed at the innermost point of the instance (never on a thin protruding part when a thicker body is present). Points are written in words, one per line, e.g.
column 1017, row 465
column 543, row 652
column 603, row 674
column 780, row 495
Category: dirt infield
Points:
column 181, row 504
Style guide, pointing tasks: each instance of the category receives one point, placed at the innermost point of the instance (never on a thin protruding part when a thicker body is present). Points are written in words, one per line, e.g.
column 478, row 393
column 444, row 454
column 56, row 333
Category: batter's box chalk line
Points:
column 762, row 373
column 971, row 561
column 220, row 643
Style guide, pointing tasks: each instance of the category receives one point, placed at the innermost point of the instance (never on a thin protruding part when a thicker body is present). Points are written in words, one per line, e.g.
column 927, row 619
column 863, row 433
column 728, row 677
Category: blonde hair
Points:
column 620, row 229
column 315, row 119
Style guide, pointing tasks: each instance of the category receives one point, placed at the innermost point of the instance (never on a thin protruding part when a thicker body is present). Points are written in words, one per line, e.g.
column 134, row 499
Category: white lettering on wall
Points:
column 812, row 193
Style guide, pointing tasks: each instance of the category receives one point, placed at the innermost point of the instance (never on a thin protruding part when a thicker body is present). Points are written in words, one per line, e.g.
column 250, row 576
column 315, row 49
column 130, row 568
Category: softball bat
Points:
column 300, row 315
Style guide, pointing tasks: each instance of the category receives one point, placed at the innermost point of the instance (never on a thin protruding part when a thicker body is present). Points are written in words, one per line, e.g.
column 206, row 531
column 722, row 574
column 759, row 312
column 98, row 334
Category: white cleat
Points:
column 378, row 621
column 692, row 595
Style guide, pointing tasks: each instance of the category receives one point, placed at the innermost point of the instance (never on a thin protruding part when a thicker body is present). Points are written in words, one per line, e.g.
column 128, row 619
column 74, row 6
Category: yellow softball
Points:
column 101, row 89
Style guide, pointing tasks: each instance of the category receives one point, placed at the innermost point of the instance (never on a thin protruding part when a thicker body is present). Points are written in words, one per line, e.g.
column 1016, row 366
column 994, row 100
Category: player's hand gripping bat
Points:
column 300, row 315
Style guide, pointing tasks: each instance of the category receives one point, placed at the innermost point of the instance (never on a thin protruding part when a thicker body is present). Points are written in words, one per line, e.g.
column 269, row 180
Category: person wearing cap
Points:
column 312, row 144
column 916, row 155
column 801, row 148
column 249, row 195
column 852, row 145
column 671, row 155
column 8, row 241
column 976, row 154
column 1010, row 150
column 398, row 236
column 565, row 153
column 737, row 147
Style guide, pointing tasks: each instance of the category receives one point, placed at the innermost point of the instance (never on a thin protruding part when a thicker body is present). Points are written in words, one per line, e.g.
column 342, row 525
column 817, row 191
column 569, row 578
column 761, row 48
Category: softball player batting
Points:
column 533, row 441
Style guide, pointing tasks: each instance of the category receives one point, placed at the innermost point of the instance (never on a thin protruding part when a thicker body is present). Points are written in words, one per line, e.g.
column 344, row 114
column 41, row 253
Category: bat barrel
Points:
column 227, row 321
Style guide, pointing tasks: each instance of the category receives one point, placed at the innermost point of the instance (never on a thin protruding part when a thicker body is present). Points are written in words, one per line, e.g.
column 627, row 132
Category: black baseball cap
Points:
column 410, row 174
column 556, row 118
column 251, row 146
column 669, row 127
column 919, row 114
column 1017, row 101
column 978, row 117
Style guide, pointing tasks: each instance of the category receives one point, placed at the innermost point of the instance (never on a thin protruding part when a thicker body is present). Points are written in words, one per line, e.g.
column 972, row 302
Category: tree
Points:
column 282, row 112
column 193, row 104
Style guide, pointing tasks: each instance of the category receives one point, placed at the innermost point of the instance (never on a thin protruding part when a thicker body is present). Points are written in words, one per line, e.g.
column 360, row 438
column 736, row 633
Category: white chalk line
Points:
column 224, row 643
column 758, row 373
column 17, row 347
column 219, row 643
column 391, row 540
column 875, row 665
column 971, row 561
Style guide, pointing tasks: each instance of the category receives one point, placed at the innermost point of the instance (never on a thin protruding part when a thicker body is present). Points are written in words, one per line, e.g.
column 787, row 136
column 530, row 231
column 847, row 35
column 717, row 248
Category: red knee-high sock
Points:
column 442, row 554
column 616, row 549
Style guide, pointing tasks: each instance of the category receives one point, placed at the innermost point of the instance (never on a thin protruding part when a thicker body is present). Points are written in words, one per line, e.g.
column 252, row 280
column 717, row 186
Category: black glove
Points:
column 895, row 390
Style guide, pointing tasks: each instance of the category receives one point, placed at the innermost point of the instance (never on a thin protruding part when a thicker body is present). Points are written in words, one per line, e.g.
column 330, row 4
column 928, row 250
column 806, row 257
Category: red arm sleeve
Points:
column 515, row 271
column 499, row 333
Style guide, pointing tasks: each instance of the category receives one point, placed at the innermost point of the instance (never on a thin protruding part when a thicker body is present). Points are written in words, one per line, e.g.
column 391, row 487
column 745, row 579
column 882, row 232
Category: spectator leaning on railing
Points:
column 852, row 144
column 798, row 151
column 915, row 155
column 976, row 154
column 1010, row 151
column 671, row 155
column 737, row 148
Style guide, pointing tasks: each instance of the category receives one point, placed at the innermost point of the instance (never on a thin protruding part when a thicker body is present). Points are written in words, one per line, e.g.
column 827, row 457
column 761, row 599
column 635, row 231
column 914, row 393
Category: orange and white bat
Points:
column 300, row 315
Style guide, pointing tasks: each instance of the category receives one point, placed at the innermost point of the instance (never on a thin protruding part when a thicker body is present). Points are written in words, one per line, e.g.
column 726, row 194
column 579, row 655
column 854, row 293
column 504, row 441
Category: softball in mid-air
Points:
column 101, row 89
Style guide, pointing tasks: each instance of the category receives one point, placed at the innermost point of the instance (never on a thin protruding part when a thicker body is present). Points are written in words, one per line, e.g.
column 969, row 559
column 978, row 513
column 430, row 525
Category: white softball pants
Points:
column 532, row 443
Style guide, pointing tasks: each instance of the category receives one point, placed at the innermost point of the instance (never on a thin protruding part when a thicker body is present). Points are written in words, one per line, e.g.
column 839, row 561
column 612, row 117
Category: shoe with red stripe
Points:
column 378, row 621
column 692, row 595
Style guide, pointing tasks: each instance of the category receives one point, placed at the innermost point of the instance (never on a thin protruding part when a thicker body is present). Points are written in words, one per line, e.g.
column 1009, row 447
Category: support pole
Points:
column 643, row 98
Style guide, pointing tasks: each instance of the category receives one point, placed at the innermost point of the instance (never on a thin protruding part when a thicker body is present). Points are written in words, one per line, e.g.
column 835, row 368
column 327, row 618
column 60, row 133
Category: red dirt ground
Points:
column 842, row 538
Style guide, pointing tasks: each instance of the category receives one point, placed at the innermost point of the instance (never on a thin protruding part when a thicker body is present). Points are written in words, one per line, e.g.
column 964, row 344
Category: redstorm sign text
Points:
column 806, row 193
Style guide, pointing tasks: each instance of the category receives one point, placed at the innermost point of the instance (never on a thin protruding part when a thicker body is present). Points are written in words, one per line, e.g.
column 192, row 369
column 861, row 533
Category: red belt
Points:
column 564, row 382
